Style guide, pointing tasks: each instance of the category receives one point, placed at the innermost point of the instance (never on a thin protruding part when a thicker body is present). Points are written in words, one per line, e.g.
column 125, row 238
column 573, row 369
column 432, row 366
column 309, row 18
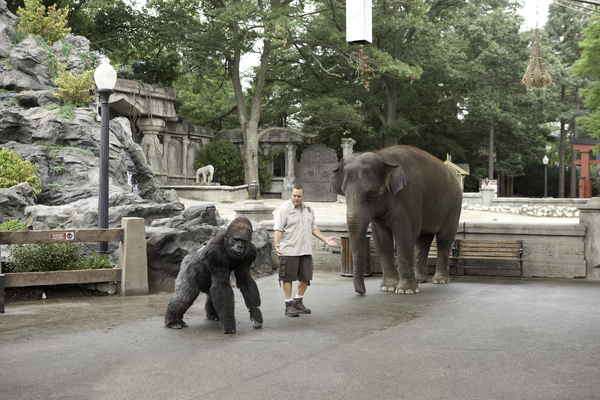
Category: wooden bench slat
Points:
column 488, row 251
column 63, row 236
column 488, row 241
column 22, row 279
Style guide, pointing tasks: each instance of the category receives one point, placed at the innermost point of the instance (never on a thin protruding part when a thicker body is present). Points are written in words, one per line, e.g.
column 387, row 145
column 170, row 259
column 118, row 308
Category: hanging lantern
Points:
column 359, row 21
column 536, row 75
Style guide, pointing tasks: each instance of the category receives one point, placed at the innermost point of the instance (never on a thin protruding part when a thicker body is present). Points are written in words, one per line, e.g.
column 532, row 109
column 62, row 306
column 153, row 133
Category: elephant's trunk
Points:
column 357, row 230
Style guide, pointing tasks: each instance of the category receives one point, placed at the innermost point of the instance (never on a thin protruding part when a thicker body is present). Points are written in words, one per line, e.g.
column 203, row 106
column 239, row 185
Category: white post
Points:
column 132, row 257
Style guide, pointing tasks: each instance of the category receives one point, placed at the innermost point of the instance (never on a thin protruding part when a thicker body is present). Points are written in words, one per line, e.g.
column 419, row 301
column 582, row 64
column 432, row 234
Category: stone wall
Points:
column 550, row 250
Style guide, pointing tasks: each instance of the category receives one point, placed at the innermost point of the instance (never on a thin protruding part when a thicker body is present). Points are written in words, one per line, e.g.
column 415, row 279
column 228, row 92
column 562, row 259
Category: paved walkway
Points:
column 325, row 211
column 475, row 338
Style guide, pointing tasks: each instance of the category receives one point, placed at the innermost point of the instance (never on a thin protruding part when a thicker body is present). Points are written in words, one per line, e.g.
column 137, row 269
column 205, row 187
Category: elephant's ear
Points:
column 395, row 179
column 337, row 178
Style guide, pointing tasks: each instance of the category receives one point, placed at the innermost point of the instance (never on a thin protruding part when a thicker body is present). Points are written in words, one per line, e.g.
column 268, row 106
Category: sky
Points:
column 529, row 12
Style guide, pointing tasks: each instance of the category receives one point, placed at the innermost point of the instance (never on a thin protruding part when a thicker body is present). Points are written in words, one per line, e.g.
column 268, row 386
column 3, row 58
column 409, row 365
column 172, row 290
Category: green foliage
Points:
column 50, row 24
column 229, row 165
column 66, row 111
column 97, row 261
column 42, row 257
column 51, row 107
column 14, row 225
column 75, row 88
column 225, row 158
column 207, row 101
column 12, row 102
column 54, row 147
column 59, row 169
column 15, row 170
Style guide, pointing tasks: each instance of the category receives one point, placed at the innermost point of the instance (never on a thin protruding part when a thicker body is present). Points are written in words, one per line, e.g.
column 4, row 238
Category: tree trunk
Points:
column 391, row 101
column 561, row 156
column 561, row 151
column 491, row 154
column 249, row 124
column 573, row 185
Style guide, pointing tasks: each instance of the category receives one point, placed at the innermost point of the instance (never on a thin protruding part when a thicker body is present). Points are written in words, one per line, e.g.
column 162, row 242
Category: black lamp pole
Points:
column 103, row 184
column 545, row 180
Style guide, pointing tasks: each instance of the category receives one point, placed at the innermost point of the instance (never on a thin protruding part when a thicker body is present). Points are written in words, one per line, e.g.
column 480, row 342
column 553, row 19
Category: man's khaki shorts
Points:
column 292, row 268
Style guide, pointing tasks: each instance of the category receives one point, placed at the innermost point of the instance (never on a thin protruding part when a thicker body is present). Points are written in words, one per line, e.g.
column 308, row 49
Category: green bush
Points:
column 225, row 157
column 42, row 257
column 15, row 171
column 75, row 88
column 50, row 24
column 227, row 160
column 13, row 225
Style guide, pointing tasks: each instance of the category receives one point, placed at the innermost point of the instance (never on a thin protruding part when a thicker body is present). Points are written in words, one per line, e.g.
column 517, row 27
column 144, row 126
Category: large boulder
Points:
column 14, row 200
column 31, row 58
column 7, row 37
column 169, row 241
column 70, row 53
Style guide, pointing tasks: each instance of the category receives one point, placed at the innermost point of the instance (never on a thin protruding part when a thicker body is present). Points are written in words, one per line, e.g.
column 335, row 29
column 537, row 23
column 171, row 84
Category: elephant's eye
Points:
column 371, row 194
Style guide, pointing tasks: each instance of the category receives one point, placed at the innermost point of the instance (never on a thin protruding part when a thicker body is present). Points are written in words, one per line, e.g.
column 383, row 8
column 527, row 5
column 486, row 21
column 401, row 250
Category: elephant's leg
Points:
column 384, row 243
column 442, row 270
column 406, row 266
column 423, row 246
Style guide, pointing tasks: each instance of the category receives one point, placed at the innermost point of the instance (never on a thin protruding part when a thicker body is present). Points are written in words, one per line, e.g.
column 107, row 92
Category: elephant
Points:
column 408, row 196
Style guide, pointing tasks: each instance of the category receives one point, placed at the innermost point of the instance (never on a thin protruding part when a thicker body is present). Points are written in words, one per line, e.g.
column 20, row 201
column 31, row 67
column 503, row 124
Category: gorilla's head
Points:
column 238, row 237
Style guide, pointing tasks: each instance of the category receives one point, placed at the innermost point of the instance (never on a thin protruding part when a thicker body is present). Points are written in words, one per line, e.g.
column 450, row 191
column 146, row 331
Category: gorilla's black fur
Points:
column 208, row 271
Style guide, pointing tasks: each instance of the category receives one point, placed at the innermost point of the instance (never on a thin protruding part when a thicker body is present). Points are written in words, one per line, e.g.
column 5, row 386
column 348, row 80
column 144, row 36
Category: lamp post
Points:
column 545, row 161
column 105, row 77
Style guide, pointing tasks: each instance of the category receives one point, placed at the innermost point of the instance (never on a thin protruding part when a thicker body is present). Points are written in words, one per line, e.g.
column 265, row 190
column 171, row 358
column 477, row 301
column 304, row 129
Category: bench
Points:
column 507, row 253
column 131, row 273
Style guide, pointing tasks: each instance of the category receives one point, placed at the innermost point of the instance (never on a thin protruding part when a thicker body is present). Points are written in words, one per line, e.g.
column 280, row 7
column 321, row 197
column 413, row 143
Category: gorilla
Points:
column 209, row 270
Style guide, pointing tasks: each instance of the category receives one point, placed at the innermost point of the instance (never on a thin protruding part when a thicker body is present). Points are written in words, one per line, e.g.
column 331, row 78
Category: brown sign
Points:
column 60, row 236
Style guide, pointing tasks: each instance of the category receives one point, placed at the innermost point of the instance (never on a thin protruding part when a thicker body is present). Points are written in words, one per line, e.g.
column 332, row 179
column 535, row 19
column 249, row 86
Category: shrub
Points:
column 15, row 171
column 13, row 225
column 227, row 160
column 41, row 257
column 50, row 24
column 229, row 164
column 75, row 88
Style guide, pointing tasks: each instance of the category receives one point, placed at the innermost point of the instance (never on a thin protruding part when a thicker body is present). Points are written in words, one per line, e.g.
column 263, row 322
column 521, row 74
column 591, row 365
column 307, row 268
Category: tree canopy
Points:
column 440, row 75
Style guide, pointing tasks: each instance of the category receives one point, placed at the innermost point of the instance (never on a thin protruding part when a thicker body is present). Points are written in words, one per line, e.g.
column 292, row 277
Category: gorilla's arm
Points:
column 248, row 286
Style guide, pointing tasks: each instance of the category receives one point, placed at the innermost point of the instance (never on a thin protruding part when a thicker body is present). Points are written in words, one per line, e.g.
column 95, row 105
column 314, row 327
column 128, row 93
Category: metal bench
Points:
column 488, row 254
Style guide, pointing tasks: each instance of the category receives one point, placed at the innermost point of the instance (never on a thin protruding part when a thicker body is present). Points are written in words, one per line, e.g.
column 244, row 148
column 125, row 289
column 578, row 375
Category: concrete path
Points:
column 336, row 211
column 475, row 338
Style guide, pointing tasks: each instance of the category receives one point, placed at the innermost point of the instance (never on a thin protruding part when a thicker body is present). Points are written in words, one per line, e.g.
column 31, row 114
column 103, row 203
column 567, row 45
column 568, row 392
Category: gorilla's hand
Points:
column 256, row 317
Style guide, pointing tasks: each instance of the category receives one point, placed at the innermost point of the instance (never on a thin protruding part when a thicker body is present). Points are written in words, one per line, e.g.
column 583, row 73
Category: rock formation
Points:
column 66, row 150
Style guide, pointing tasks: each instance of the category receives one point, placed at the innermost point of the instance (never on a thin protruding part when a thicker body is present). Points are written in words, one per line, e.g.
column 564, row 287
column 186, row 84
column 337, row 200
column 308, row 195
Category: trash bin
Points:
column 347, row 256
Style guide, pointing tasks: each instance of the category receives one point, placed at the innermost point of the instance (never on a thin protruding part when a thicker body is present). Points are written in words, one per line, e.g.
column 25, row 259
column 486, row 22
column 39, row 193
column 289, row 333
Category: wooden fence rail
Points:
column 131, row 272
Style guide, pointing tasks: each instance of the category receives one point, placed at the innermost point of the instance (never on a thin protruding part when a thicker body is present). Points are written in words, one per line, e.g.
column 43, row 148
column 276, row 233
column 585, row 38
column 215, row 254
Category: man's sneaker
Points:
column 290, row 310
column 300, row 307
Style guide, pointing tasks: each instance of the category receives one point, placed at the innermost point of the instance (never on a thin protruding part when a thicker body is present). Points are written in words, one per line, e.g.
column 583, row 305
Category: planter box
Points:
column 22, row 279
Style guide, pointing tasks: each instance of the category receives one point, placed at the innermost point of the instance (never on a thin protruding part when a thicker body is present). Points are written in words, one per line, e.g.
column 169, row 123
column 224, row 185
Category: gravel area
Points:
column 336, row 211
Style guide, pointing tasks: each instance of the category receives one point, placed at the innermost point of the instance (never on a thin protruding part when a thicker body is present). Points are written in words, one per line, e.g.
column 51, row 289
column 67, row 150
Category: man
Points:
column 294, row 223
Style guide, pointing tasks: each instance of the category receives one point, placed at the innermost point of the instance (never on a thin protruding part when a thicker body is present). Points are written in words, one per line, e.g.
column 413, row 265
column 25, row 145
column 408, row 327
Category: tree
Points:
column 564, row 32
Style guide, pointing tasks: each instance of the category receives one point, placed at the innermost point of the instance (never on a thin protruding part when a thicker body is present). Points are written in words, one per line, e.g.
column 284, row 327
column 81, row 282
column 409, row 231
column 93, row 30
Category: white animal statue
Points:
column 206, row 173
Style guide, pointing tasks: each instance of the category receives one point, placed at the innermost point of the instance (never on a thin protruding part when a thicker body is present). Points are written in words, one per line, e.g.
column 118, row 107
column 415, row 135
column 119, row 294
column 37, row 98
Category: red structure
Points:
column 584, row 146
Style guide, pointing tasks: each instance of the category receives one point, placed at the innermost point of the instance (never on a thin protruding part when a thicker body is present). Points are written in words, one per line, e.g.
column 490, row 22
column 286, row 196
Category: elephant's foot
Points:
column 388, row 285
column 440, row 278
column 421, row 278
column 407, row 288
